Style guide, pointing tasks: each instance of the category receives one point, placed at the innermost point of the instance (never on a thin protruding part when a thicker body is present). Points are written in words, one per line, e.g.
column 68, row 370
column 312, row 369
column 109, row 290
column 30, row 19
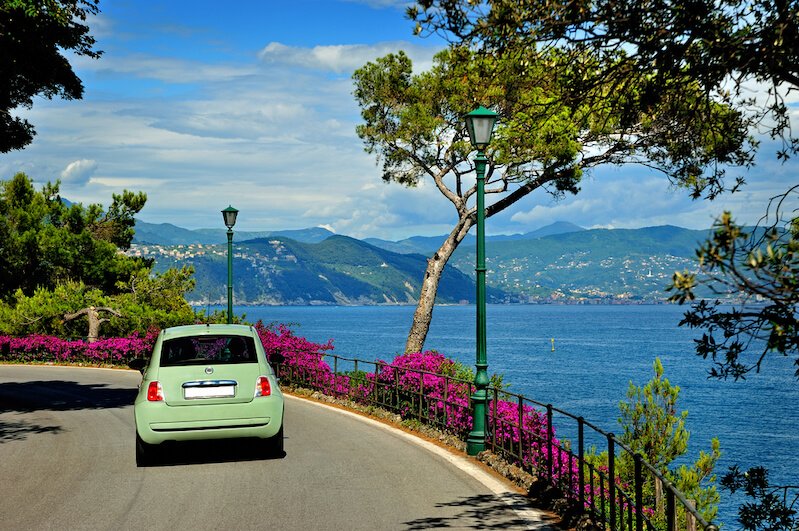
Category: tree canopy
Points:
column 721, row 46
column 654, row 428
column 553, row 127
column 759, row 267
column 34, row 34
column 44, row 241
column 58, row 259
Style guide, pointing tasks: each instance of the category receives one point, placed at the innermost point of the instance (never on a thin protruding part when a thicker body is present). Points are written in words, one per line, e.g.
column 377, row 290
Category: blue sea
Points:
column 599, row 350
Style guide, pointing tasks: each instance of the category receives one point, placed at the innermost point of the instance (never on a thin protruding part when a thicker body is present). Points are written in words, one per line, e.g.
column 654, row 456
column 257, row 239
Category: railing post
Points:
column 396, row 403
column 690, row 520
column 581, row 461
column 335, row 375
column 494, row 420
column 520, row 419
column 630, row 515
column 376, row 383
column 421, row 393
column 671, row 510
column 446, row 402
column 602, row 498
column 612, row 479
column 351, row 390
column 549, row 441
column 639, row 493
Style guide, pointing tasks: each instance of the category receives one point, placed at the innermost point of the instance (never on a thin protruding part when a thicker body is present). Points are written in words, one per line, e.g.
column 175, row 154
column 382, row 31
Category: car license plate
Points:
column 216, row 391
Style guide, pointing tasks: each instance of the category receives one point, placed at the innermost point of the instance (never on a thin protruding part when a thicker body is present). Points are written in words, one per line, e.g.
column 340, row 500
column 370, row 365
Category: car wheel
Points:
column 145, row 453
column 274, row 445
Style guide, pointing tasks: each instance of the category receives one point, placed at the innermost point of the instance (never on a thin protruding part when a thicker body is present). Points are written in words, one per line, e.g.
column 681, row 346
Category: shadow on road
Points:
column 15, row 431
column 206, row 452
column 484, row 511
column 61, row 396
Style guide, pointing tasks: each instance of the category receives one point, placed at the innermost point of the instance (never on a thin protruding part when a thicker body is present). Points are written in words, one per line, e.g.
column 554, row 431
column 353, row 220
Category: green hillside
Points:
column 168, row 234
column 338, row 270
column 561, row 262
column 599, row 263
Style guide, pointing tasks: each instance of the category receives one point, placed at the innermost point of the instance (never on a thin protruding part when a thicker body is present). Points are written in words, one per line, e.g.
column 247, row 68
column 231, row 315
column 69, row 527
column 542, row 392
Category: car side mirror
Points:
column 138, row 364
column 276, row 358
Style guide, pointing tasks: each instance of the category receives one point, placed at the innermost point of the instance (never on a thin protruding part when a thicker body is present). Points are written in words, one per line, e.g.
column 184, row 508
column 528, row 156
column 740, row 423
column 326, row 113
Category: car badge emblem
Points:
column 209, row 370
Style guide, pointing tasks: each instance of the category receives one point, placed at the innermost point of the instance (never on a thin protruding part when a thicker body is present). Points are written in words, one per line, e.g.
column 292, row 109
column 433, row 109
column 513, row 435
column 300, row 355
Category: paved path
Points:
column 67, row 462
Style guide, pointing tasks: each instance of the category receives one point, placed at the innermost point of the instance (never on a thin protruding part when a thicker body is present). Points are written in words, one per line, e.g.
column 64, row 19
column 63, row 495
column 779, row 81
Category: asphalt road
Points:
column 67, row 462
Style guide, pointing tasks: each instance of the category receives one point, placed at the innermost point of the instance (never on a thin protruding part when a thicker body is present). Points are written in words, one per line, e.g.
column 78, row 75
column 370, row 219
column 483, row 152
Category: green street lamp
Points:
column 480, row 125
column 229, row 215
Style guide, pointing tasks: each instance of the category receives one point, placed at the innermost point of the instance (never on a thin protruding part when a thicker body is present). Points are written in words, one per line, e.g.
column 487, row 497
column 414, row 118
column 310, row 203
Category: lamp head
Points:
column 229, row 215
column 480, row 125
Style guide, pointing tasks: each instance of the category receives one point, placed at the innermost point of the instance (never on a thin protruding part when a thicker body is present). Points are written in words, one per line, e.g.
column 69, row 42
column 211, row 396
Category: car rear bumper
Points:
column 157, row 422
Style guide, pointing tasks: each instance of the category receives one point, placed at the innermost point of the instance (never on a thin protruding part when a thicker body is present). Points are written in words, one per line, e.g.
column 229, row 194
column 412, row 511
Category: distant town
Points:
column 569, row 266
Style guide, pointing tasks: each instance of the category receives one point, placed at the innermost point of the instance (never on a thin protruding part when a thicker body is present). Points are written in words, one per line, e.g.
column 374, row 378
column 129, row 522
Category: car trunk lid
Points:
column 209, row 384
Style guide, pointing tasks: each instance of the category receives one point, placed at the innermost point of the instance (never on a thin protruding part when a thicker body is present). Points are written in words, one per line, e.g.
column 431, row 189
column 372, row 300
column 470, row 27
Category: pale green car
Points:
column 207, row 382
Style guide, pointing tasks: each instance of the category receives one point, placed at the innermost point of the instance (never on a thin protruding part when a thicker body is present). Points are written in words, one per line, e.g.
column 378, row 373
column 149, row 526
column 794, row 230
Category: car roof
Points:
column 208, row 329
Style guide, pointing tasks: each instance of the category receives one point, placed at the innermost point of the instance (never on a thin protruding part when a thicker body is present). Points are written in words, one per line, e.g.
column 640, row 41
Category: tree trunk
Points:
column 427, row 295
column 94, row 325
column 93, row 315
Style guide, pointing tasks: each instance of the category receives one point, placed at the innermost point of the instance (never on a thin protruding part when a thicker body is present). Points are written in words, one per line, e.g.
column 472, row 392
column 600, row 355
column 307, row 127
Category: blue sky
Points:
column 202, row 106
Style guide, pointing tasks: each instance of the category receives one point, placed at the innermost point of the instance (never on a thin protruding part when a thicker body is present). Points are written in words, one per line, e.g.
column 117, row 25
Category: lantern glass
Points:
column 229, row 215
column 480, row 125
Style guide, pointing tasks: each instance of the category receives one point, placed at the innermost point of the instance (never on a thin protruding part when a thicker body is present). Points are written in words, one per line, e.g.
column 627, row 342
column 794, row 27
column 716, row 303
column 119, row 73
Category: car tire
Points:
column 274, row 445
column 145, row 453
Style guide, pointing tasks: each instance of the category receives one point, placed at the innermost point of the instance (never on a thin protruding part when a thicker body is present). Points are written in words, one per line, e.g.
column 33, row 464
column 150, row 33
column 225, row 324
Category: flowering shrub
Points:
column 422, row 385
column 41, row 348
column 303, row 360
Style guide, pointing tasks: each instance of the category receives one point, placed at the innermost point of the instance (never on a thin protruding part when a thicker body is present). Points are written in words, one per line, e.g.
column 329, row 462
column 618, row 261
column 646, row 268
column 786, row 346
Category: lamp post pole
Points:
column 480, row 125
column 229, row 216
column 477, row 437
column 229, row 275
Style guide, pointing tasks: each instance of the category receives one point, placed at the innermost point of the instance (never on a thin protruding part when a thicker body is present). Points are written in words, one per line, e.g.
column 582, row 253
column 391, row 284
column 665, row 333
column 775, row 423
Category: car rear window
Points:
column 200, row 350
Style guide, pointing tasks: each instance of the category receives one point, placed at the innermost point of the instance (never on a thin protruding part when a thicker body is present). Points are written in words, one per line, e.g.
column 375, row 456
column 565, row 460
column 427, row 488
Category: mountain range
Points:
column 168, row 234
column 559, row 262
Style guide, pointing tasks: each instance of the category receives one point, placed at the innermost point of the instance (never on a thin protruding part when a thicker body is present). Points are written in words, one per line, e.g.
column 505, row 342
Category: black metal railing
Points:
column 602, row 476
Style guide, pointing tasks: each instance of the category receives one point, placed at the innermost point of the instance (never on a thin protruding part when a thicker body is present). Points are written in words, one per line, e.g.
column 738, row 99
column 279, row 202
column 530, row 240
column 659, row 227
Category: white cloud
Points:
column 273, row 133
column 342, row 58
column 168, row 70
column 79, row 172
column 380, row 4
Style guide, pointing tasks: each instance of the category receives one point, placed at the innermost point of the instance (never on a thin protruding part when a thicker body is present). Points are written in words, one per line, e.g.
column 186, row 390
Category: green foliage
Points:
column 45, row 242
column 622, row 103
column 771, row 507
column 146, row 301
column 34, row 36
column 650, row 56
column 56, row 260
column 761, row 267
column 414, row 123
column 654, row 428
column 117, row 224
column 652, row 425
column 43, row 311
column 149, row 300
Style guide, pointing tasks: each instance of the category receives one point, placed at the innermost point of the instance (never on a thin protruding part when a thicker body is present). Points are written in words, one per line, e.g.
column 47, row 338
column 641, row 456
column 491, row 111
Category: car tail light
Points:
column 155, row 393
column 262, row 387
